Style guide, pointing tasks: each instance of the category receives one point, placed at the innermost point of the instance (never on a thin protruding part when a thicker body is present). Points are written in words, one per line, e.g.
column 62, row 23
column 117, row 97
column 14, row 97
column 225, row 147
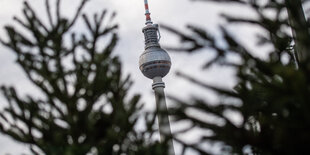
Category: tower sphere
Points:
column 154, row 62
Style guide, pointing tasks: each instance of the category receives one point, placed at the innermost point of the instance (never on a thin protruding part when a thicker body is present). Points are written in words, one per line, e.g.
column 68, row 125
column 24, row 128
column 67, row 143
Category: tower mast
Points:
column 155, row 63
column 147, row 13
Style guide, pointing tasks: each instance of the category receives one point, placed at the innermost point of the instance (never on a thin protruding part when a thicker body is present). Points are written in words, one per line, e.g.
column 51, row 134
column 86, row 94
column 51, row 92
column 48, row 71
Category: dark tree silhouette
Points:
column 272, row 96
column 85, row 107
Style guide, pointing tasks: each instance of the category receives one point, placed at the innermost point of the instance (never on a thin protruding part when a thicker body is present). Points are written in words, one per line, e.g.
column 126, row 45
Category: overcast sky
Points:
column 131, row 18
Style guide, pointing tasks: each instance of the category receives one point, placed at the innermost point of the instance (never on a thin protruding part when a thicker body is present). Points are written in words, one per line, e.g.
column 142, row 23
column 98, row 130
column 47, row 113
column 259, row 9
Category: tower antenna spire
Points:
column 147, row 13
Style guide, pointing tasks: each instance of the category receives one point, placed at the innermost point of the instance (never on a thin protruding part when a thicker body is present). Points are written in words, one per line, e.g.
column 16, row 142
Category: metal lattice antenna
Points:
column 147, row 13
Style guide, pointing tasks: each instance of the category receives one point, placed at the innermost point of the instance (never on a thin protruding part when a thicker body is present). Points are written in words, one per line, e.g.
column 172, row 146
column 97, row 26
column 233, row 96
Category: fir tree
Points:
column 85, row 107
column 272, row 95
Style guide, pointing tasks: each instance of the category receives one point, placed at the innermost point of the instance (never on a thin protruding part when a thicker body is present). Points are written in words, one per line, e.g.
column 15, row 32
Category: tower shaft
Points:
column 300, row 29
column 162, row 113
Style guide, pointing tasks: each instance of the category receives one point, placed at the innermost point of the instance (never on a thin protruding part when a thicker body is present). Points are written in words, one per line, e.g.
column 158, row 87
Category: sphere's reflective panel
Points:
column 154, row 62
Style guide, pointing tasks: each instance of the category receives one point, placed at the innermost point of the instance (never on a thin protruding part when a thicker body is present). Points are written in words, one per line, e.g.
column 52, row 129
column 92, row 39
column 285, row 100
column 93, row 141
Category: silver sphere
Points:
column 154, row 62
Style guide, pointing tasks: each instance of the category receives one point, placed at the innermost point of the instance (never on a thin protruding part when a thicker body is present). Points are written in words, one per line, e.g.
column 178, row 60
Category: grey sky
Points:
column 131, row 19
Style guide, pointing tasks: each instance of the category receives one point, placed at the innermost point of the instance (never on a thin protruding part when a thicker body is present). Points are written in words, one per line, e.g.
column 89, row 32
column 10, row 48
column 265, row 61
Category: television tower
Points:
column 155, row 63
